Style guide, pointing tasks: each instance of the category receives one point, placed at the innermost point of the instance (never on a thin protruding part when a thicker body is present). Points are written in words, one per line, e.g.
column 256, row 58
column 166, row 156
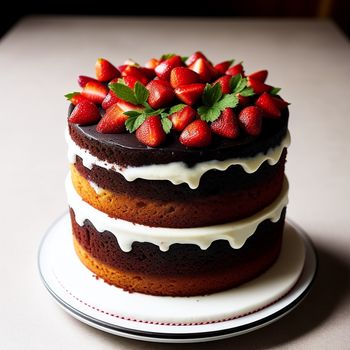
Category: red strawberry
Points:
column 127, row 106
column 260, row 75
column 190, row 93
column 84, row 113
column 148, row 72
column 152, row 63
column 105, row 71
column 136, row 72
column 236, row 69
column 151, row 132
column 183, row 76
column 122, row 68
column 225, row 83
column 258, row 86
column 196, row 134
column 113, row 122
column 110, row 100
column 161, row 93
column 164, row 68
column 226, row 125
column 76, row 98
column 194, row 57
column 130, row 81
column 222, row 67
column 271, row 106
column 83, row 80
column 281, row 104
column 250, row 119
column 182, row 118
column 95, row 91
column 204, row 69
column 243, row 100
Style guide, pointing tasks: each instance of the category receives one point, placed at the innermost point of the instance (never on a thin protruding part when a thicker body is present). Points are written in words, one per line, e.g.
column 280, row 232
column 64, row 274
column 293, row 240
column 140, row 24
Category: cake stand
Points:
column 176, row 319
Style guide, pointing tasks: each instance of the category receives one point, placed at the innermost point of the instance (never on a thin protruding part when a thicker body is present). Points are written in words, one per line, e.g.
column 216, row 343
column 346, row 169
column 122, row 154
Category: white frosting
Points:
column 95, row 187
column 236, row 233
column 177, row 172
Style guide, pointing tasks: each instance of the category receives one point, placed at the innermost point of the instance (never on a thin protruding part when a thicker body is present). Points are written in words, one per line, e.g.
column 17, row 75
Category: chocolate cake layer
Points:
column 186, row 212
column 125, row 150
column 181, row 259
column 213, row 182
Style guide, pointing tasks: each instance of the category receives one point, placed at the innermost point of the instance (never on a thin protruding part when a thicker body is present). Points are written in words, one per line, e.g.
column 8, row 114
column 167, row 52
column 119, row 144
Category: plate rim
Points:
column 206, row 335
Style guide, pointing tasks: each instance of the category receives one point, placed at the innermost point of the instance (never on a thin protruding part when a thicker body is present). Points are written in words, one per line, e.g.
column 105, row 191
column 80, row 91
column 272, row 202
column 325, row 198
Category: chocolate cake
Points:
column 177, row 182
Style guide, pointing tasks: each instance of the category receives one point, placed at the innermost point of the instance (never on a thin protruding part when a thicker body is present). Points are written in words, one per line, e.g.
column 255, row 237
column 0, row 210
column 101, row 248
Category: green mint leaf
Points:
column 141, row 93
column 231, row 62
column 275, row 91
column 132, row 123
column 167, row 55
column 228, row 101
column 123, row 92
column 176, row 108
column 247, row 92
column 70, row 95
column 129, row 124
column 235, row 80
column 209, row 114
column 211, row 94
column 238, row 83
column 167, row 125
column 132, row 114
column 139, row 120
column 184, row 59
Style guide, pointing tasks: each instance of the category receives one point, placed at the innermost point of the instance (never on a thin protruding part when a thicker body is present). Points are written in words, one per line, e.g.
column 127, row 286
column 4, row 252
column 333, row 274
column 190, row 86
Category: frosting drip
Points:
column 236, row 233
column 176, row 172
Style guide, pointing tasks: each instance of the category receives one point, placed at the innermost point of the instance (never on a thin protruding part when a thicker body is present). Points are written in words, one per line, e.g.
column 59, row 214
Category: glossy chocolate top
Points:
column 125, row 150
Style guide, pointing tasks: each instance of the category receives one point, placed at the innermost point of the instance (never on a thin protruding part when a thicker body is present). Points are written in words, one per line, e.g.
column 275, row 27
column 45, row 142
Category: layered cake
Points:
column 176, row 183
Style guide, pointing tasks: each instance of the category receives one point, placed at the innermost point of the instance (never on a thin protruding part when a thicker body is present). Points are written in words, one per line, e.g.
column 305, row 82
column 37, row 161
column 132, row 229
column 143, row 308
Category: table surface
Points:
column 39, row 61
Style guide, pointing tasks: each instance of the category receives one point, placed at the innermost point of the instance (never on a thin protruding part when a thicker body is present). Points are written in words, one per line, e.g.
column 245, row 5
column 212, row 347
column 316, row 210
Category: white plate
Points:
column 176, row 319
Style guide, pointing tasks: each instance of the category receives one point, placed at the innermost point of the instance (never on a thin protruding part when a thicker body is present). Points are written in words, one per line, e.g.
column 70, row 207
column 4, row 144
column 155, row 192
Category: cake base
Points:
column 176, row 319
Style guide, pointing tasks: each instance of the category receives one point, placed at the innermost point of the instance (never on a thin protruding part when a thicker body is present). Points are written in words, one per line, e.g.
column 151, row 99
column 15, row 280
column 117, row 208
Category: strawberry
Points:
column 183, row 76
column 270, row 105
column 226, row 125
column 194, row 57
column 236, row 69
column 130, row 81
column 164, row 68
column 161, row 93
column 152, row 63
column 151, row 132
column 113, row 122
column 95, row 91
column 136, row 72
column 84, row 113
column 127, row 106
column 148, row 72
column 83, row 80
column 222, row 67
column 105, row 71
column 196, row 134
column 204, row 69
column 122, row 68
column 260, row 75
column 182, row 118
column 258, row 86
column 75, row 98
column 110, row 100
column 281, row 104
column 190, row 93
column 243, row 100
column 225, row 82
column 250, row 119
